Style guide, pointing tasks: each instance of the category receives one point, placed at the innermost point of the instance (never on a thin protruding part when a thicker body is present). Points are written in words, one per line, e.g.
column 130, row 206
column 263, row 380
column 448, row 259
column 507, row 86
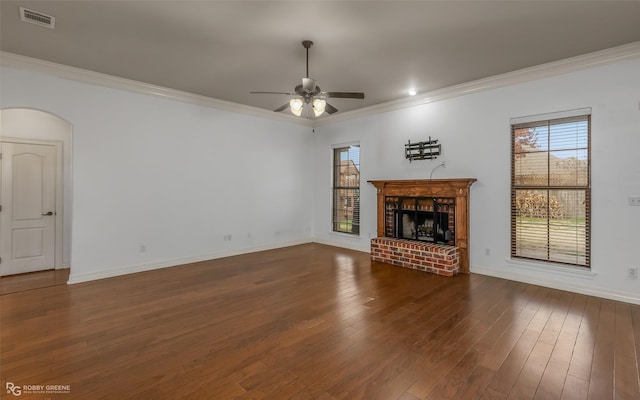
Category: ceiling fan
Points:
column 310, row 93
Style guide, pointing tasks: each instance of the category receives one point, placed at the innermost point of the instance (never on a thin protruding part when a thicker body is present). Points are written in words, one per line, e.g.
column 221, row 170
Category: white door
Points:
column 27, row 218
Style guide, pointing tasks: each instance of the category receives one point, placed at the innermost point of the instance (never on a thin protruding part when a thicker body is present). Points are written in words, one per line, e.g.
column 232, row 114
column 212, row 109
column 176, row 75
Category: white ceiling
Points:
column 225, row 49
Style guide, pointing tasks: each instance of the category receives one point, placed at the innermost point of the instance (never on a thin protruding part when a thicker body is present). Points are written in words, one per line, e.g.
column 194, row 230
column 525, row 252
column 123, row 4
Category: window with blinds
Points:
column 550, row 190
column 346, row 189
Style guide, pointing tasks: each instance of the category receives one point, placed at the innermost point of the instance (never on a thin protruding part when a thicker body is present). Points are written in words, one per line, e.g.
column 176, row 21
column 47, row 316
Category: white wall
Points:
column 176, row 177
column 171, row 177
column 475, row 135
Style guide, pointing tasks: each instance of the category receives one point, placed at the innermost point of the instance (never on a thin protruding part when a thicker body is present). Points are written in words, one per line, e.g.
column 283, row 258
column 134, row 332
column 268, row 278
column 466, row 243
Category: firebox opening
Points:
column 425, row 226
column 424, row 219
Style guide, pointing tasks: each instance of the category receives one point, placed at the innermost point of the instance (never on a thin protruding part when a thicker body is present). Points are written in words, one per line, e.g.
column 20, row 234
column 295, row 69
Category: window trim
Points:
column 550, row 120
column 578, row 112
column 335, row 147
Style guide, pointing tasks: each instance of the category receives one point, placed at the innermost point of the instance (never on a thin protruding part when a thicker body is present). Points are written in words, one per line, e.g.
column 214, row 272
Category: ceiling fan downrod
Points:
column 307, row 44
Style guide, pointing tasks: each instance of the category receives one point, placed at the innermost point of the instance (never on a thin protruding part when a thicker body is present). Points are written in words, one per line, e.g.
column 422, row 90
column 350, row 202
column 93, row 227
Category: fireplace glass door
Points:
column 425, row 219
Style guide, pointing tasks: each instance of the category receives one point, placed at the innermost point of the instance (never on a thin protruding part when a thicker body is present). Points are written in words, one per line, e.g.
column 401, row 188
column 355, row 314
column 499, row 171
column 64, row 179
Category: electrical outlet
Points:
column 632, row 273
column 143, row 248
column 634, row 200
column 227, row 238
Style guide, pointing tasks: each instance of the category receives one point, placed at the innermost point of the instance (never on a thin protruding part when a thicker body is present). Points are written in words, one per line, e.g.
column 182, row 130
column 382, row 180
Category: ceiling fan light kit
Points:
column 310, row 93
column 319, row 105
column 296, row 105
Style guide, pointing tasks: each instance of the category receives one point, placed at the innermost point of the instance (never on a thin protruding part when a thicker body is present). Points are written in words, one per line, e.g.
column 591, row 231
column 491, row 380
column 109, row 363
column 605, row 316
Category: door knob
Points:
column 49, row 213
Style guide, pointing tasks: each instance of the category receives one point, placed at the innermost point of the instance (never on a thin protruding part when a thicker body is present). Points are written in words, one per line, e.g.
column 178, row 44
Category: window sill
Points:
column 575, row 272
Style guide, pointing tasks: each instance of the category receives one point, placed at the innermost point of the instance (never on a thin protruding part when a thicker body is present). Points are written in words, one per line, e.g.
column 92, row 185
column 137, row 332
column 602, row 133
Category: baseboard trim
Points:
column 132, row 269
column 625, row 297
column 345, row 245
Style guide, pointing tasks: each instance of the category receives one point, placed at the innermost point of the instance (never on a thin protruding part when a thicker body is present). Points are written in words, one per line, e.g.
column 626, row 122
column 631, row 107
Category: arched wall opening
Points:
column 33, row 126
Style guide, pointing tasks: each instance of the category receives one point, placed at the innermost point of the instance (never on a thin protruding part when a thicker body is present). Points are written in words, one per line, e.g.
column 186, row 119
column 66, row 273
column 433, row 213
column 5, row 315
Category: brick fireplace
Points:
column 423, row 224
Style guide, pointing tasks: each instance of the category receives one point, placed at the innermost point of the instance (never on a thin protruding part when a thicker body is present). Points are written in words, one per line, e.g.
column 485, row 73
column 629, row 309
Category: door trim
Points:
column 57, row 146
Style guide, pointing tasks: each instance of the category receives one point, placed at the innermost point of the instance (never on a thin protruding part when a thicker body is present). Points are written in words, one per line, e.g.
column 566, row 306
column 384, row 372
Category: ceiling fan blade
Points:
column 345, row 95
column 287, row 93
column 282, row 108
column 329, row 109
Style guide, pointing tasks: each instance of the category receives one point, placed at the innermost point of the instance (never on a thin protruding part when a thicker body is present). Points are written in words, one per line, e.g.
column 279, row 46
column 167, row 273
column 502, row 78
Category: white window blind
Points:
column 550, row 190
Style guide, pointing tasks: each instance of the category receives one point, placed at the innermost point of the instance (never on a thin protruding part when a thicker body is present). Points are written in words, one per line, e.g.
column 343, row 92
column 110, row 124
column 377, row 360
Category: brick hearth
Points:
column 437, row 258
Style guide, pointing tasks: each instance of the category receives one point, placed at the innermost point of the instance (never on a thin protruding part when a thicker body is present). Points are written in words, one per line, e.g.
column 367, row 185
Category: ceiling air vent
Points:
column 37, row 18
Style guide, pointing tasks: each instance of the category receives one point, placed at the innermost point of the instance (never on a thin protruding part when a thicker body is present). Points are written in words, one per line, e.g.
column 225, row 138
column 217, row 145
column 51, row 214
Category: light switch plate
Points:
column 634, row 200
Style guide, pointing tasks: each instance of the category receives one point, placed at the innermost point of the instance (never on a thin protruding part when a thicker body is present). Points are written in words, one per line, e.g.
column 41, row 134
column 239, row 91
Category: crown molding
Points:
column 12, row 60
column 555, row 68
column 573, row 64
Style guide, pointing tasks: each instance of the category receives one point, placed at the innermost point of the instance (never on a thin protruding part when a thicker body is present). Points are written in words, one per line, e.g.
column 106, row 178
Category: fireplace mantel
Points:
column 457, row 187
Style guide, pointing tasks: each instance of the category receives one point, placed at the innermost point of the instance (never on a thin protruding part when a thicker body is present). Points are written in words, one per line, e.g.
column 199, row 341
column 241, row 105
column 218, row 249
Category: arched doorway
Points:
column 37, row 144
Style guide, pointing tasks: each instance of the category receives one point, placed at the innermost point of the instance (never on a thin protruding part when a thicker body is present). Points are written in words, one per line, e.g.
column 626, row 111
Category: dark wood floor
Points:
column 33, row 280
column 317, row 322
